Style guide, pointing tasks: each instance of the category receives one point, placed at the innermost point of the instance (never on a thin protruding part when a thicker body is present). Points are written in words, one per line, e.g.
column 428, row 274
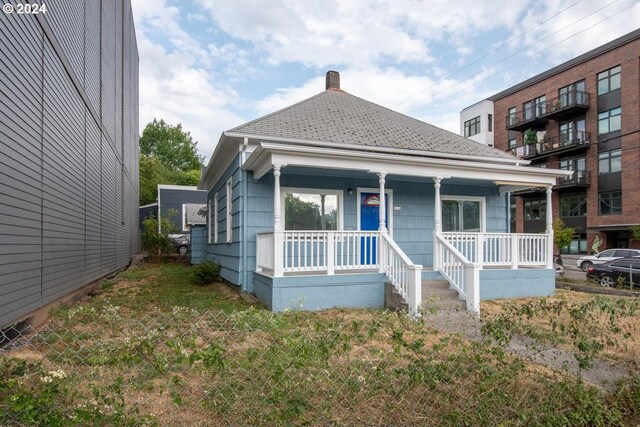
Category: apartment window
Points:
column 573, row 93
column 609, row 121
column 512, row 143
column 312, row 209
column 535, row 210
column 490, row 122
column 609, row 80
column 215, row 218
column 229, row 210
column 610, row 202
column 472, row 127
column 571, row 206
column 462, row 213
column 512, row 116
column 609, row 162
column 573, row 132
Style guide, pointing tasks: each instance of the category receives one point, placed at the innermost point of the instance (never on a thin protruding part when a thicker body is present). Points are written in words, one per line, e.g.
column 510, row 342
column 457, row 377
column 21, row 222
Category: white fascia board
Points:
column 262, row 159
column 149, row 205
column 226, row 150
column 369, row 148
column 177, row 187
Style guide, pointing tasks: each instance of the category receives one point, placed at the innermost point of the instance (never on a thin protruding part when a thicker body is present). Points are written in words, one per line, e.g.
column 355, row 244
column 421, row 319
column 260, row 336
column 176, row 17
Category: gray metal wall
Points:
column 68, row 150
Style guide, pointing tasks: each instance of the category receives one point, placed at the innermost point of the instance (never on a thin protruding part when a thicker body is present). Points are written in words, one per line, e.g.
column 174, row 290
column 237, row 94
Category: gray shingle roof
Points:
column 336, row 116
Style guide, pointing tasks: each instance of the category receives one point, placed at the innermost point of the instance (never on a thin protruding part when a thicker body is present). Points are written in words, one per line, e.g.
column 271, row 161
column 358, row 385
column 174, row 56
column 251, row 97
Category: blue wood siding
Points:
column 198, row 247
column 507, row 283
column 412, row 212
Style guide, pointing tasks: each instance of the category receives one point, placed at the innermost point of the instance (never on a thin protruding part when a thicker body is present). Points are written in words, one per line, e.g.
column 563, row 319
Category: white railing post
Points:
column 472, row 279
column 382, row 254
column 480, row 238
column 278, row 259
column 414, row 297
column 331, row 254
column 514, row 251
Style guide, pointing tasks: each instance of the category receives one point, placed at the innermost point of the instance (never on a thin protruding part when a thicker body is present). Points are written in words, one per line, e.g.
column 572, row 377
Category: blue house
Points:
column 320, row 204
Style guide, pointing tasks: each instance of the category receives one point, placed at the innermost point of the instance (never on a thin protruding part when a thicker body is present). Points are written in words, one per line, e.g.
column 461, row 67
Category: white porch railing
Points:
column 330, row 251
column 501, row 249
column 462, row 274
column 404, row 275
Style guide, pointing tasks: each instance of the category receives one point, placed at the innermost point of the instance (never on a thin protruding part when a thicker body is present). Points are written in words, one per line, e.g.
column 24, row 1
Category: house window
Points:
column 209, row 221
column 229, row 210
column 312, row 209
column 571, row 206
column 472, row 127
column 534, row 108
column 609, row 162
column 512, row 143
column 610, row 202
column 490, row 122
column 215, row 218
column 463, row 213
column 609, row 80
column 535, row 210
column 573, row 93
column 609, row 121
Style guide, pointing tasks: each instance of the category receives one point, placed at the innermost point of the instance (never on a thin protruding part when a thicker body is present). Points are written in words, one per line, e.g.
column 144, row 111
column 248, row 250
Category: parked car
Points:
column 182, row 242
column 624, row 271
column 605, row 256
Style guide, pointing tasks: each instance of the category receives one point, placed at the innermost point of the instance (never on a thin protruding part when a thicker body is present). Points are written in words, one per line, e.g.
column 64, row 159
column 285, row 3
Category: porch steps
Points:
column 438, row 289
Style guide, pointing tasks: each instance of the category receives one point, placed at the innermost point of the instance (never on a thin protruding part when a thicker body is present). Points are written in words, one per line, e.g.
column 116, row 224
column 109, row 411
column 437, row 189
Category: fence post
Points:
column 514, row 251
column 472, row 288
column 414, row 299
column 278, row 260
column 331, row 253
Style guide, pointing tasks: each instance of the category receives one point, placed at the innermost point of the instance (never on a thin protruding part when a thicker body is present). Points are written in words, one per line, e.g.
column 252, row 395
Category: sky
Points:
column 212, row 65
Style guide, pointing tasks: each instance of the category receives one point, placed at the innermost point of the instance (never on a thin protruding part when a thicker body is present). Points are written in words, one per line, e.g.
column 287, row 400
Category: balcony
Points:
column 566, row 141
column 567, row 104
column 528, row 118
column 579, row 178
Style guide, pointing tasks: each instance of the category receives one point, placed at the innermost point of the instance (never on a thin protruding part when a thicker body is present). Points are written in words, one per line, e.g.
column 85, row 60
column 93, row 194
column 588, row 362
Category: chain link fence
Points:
column 551, row 362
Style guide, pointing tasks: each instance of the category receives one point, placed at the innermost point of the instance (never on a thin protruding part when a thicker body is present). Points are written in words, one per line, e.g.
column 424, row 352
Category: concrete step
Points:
column 443, row 294
column 435, row 284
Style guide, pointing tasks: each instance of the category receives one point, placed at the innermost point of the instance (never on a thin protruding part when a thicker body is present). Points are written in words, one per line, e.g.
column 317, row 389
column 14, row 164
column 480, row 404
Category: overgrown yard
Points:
column 153, row 348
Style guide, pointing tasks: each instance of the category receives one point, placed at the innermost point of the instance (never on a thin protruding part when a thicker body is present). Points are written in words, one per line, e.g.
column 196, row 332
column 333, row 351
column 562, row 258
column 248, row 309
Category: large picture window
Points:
column 610, row 202
column 463, row 214
column 312, row 209
column 573, row 206
column 609, row 80
column 609, row 162
column 535, row 210
column 609, row 121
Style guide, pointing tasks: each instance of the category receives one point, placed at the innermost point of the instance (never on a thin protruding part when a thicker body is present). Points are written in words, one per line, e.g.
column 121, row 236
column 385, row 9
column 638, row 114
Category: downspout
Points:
column 245, row 231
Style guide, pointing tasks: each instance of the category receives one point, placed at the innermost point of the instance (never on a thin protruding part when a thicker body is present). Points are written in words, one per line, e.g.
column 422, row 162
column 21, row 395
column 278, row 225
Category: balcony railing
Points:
column 578, row 179
column 527, row 118
column 554, row 144
column 569, row 103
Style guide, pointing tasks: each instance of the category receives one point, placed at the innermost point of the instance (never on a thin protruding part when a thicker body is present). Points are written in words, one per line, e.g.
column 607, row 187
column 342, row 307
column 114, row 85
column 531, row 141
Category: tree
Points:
column 635, row 232
column 562, row 235
column 172, row 146
column 168, row 155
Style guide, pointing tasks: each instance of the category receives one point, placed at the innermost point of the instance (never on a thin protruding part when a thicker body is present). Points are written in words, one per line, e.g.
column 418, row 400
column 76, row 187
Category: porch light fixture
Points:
column 350, row 191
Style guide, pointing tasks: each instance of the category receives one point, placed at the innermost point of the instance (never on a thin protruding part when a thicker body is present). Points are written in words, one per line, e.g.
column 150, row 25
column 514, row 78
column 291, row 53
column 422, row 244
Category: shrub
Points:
column 205, row 272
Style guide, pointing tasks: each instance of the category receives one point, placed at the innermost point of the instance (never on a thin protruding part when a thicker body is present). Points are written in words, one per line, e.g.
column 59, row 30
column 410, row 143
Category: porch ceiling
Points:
column 268, row 154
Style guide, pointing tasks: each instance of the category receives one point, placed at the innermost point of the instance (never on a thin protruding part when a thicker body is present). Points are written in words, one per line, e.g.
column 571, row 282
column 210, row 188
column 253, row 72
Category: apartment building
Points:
column 68, row 150
column 582, row 115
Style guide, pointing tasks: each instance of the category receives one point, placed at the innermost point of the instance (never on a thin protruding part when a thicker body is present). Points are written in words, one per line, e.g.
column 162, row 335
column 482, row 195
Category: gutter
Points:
column 244, row 268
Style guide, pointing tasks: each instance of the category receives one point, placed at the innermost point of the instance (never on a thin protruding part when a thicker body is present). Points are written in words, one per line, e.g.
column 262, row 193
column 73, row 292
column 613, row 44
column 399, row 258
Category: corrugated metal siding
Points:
column 68, row 203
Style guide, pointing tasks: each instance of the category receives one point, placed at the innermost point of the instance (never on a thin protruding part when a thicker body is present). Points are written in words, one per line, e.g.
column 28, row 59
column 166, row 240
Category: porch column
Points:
column 278, row 238
column 437, row 213
column 549, row 230
column 437, row 223
column 382, row 211
column 276, row 198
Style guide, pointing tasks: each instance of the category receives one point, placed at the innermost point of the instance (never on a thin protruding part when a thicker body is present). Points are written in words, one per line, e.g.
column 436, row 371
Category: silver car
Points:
column 584, row 262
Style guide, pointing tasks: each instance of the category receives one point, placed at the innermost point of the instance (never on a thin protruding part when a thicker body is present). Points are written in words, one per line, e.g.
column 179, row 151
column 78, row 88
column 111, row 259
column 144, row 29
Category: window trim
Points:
column 483, row 210
column 229, row 208
column 215, row 218
column 339, row 193
column 209, row 220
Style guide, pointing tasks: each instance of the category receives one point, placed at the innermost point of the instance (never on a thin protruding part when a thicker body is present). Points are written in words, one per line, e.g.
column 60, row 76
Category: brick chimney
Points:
column 332, row 80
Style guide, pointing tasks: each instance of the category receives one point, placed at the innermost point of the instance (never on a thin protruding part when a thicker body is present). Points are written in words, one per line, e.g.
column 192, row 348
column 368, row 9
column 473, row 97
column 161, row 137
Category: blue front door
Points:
column 370, row 221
